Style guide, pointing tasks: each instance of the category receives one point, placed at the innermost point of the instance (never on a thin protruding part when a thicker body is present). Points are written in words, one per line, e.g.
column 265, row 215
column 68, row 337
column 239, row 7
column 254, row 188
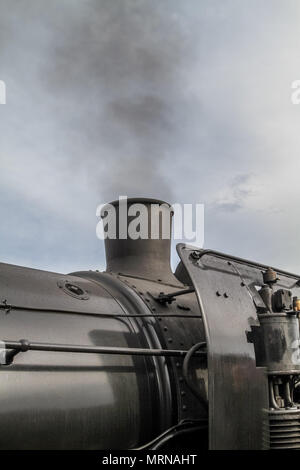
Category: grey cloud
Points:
column 236, row 194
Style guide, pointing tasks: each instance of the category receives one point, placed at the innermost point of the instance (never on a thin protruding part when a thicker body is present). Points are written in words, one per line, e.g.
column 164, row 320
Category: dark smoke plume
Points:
column 121, row 61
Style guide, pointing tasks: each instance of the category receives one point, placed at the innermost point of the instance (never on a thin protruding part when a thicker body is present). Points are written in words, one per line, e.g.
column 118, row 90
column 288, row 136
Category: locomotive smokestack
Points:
column 138, row 238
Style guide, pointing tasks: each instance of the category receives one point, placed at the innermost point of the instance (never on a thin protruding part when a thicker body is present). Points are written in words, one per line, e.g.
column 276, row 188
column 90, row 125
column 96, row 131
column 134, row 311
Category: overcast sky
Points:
column 184, row 100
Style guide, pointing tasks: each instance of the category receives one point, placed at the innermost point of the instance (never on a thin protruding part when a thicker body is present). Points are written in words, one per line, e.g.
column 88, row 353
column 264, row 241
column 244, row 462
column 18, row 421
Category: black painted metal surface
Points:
column 71, row 400
column 59, row 400
column 182, row 329
column 238, row 393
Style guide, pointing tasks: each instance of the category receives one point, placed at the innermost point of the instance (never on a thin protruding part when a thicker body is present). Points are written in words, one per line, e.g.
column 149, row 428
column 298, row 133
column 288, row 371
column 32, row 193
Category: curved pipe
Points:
column 185, row 372
column 174, row 431
column 272, row 397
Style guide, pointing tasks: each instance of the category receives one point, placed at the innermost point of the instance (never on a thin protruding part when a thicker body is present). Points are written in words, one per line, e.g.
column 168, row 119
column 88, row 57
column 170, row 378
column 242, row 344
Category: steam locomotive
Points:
column 139, row 357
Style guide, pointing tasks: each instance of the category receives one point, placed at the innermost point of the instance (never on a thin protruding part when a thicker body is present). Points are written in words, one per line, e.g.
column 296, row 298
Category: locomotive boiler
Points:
column 139, row 357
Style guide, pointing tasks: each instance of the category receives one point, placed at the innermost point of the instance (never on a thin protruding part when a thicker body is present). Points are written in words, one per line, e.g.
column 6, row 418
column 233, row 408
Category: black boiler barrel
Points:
column 60, row 400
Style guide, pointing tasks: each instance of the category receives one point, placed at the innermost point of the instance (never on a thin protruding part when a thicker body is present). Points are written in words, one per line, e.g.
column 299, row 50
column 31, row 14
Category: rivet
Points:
column 184, row 407
column 165, row 328
column 182, row 393
column 218, row 293
column 226, row 295
column 170, row 340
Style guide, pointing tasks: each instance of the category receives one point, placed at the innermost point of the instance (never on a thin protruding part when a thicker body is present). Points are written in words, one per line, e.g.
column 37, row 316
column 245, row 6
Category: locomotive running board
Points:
column 237, row 389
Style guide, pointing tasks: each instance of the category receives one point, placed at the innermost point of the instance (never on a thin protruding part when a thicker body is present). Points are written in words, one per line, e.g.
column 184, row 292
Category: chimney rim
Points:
column 138, row 200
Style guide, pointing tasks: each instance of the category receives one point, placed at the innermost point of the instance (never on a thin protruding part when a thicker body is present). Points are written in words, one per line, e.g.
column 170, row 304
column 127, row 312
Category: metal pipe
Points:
column 158, row 445
column 9, row 308
column 287, row 393
column 185, row 424
column 24, row 345
column 272, row 396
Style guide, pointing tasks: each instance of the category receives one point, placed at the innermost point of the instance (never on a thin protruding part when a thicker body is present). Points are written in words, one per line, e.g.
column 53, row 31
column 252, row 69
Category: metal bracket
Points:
column 7, row 307
column 163, row 298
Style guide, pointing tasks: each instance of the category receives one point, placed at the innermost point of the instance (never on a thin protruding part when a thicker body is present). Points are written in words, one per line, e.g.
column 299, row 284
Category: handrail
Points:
column 25, row 345
column 9, row 307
